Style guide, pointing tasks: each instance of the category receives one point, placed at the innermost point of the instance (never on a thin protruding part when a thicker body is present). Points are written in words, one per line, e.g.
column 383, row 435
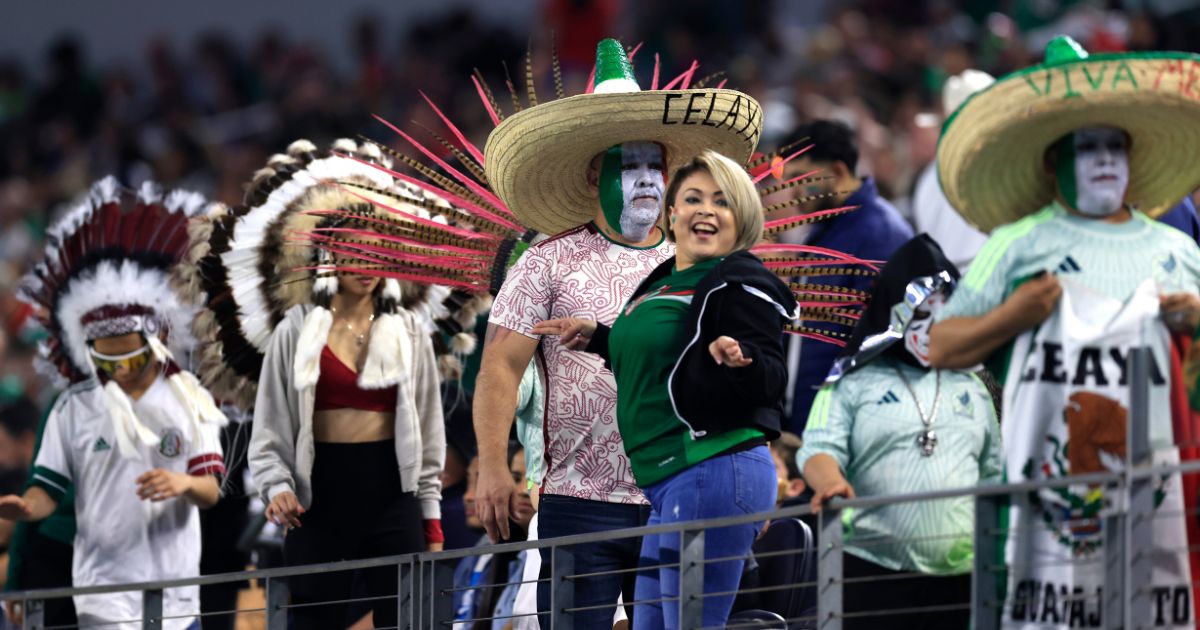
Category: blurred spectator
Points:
column 459, row 529
column 487, row 570
column 791, row 482
column 931, row 212
column 18, row 434
column 871, row 232
column 40, row 554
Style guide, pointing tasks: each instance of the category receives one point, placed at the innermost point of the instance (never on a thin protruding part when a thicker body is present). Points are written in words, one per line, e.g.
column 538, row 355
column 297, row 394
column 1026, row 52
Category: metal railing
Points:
column 426, row 580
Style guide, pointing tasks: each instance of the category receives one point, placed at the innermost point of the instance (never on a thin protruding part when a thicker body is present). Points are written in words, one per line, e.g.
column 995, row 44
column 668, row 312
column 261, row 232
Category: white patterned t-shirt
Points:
column 578, row 273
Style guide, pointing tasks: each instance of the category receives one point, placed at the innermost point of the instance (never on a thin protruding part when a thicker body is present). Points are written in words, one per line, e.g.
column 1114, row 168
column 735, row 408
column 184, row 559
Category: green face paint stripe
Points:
column 1064, row 171
column 1003, row 238
column 612, row 196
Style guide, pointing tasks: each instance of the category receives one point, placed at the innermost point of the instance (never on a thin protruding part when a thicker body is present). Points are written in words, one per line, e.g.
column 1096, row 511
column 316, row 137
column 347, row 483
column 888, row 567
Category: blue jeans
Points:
column 563, row 516
column 726, row 485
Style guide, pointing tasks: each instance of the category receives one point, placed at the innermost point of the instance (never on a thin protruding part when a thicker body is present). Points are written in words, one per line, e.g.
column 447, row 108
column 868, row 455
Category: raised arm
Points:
column 959, row 343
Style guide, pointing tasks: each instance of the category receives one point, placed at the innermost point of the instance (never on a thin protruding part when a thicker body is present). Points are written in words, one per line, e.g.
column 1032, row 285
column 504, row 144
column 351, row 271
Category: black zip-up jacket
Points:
column 741, row 299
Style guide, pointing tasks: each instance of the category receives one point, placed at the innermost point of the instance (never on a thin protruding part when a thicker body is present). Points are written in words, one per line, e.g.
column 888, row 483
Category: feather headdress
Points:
column 247, row 266
column 107, row 273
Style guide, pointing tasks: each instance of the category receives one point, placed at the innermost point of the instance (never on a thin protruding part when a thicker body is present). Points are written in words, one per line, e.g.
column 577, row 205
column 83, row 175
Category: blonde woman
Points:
column 700, row 372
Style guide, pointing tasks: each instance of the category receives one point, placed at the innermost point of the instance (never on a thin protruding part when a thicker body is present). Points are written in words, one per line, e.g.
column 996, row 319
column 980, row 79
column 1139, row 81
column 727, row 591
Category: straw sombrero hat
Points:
column 990, row 155
column 537, row 160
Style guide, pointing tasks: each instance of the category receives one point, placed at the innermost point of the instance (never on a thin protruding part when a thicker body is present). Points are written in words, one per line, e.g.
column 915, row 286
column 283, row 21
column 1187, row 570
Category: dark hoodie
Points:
column 741, row 299
column 921, row 256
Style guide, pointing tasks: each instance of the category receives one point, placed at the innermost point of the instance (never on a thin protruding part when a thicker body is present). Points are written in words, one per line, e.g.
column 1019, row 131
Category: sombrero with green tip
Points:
column 990, row 155
column 537, row 159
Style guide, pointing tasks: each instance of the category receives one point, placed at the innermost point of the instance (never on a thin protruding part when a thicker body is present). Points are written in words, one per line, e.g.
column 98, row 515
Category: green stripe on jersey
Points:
column 55, row 484
column 818, row 417
column 996, row 246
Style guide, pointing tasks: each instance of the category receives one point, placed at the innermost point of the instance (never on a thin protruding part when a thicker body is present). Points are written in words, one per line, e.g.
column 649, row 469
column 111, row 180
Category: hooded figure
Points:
column 883, row 411
column 917, row 278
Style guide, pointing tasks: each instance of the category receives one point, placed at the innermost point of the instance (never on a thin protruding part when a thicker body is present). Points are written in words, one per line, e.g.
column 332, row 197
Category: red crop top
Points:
column 337, row 388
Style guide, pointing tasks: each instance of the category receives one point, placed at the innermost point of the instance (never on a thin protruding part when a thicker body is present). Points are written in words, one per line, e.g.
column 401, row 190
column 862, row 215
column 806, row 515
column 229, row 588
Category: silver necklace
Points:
column 927, row 440
column 359, row 339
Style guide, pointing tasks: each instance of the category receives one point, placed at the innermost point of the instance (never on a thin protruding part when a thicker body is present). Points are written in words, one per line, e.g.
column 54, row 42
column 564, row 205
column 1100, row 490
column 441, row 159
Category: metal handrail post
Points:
column 562, row 590
column 1114, row 566
column 1139, row 520
column 829, row 570
column 152, row 609
column 404, row 598
column 986, row 589
column 691, row 578
column 35, row 613
column 442, row 574
column 277, row 602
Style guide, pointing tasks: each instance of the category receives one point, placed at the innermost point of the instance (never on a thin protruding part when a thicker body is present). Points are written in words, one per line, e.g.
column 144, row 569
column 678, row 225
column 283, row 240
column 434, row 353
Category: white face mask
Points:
column 916, row 335
column 642, row 185
column 1099, row 173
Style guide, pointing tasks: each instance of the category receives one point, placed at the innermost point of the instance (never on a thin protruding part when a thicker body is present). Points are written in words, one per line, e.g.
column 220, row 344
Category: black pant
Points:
column 559, row 516
column 48, row 565
column 221, row 530
column 358, row 511
column 898, row 594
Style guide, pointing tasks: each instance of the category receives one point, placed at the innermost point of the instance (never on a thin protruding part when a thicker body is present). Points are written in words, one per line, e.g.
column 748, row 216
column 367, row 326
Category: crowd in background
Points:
column 204, row 115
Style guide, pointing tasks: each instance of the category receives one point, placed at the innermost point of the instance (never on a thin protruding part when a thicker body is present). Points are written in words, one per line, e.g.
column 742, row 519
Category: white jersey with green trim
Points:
column 121, row 538
column 1111, row 258
column 869, row 422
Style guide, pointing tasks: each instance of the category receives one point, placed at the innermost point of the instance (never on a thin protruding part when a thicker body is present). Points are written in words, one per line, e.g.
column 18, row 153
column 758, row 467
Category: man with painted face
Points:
column 598, row 191
column 1087, row 232
column 883, row 409
column 1059, row 296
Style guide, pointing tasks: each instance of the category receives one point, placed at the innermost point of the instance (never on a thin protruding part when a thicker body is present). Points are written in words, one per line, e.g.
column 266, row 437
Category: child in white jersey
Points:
column 135, row 434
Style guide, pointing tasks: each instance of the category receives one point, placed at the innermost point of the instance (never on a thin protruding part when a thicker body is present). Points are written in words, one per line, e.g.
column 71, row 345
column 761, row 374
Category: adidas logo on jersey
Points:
column 1068, row 265
column 100, row 445
column 889, row 397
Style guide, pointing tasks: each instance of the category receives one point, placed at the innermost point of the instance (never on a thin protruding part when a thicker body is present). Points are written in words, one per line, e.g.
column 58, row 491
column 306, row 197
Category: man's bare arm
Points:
column 506, row 353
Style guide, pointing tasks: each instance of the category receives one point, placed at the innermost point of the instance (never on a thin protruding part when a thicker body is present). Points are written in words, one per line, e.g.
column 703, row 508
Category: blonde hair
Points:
column 735, row 184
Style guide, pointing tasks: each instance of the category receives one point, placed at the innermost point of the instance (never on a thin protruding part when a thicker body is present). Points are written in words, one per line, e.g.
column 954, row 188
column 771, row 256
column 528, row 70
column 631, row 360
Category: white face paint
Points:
column 916, row 336
column 1101, row 170
column 642, row 168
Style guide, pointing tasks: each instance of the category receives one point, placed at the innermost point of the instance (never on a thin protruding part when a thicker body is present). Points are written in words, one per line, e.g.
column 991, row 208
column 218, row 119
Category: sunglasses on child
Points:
column 131, row 361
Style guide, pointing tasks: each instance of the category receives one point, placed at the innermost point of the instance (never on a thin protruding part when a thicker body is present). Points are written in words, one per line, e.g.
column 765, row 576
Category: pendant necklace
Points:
column 359, row 339
column 927, row 440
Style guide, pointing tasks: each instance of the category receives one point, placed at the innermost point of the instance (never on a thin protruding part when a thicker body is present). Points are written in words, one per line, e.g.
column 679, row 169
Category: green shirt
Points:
column 869, row 423
column 644, row 345
column 60, row 525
